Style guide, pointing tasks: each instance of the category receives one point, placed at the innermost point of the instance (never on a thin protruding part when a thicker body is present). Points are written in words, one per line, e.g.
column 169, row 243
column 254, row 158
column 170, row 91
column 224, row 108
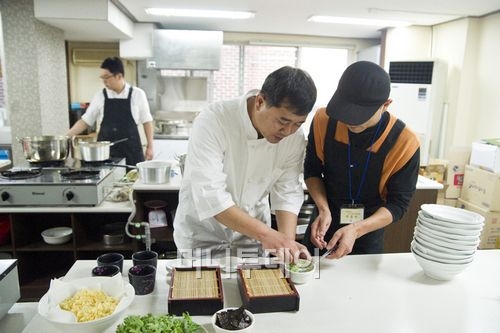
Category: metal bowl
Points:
column 45, row 148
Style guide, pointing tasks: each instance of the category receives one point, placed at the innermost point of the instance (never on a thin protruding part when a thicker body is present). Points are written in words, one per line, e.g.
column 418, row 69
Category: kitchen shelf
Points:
column 44, row 247
column 6, row 248
column 92, row 246
column 39, row 262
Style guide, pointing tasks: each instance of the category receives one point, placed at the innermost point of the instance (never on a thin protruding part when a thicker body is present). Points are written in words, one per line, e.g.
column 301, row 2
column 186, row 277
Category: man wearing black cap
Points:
column 361, row 165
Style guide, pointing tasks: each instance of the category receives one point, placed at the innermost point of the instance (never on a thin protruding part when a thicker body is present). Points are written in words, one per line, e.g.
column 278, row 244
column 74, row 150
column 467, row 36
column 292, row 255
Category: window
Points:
column 244, row 67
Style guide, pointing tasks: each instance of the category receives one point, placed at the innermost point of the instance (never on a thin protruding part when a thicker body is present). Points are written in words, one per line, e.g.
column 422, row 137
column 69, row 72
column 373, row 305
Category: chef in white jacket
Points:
column 242, row 155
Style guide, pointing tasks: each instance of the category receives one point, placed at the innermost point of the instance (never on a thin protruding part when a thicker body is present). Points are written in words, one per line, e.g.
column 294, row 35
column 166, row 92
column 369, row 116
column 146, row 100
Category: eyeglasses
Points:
column 107, row 76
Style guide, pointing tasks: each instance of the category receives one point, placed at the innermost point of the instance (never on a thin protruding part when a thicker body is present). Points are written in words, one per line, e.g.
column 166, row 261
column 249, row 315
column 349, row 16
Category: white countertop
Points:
column 365, row 293
column 104, row 207
column 424, row 183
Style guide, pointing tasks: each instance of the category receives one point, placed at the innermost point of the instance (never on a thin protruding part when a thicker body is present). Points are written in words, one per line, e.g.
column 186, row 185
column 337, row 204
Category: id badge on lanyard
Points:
column 352, row 213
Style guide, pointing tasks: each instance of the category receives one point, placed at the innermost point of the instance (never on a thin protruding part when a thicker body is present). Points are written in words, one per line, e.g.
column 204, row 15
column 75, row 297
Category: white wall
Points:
column 487, row 98
column 471, row 49
column 408, row 43
column 455, row 43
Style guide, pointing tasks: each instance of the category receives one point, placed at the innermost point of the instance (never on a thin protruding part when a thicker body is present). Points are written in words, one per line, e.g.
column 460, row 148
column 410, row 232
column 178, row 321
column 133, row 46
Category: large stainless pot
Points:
column 45, row 148
column 96, row 151
column 154, row 172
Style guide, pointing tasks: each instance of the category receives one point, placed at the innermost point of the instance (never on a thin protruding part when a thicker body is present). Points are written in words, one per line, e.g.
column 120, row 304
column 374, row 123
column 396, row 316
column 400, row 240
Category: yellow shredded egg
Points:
column 89, row 304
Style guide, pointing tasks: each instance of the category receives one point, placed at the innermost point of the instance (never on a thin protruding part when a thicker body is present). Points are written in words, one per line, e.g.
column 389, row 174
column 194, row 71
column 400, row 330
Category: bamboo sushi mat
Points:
column 266, row 282
column 195, row 284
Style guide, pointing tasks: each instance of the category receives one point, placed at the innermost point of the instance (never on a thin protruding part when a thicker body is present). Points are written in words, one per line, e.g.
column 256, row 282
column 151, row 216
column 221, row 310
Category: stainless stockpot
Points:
column 45, row 148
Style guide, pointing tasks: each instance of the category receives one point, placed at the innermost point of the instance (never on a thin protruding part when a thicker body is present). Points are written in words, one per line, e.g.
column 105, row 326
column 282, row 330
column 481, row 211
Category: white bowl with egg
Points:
column 66, row 321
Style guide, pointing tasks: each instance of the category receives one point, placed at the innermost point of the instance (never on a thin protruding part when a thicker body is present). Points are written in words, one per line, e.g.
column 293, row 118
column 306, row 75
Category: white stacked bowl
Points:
column 445, row 240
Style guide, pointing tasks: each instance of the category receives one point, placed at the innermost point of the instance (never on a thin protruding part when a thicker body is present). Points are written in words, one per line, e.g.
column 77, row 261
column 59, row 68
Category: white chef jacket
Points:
column 228, row 165
column 138, row 104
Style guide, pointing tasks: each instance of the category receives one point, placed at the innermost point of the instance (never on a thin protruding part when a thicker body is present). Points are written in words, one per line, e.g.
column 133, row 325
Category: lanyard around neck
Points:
column 350, row 166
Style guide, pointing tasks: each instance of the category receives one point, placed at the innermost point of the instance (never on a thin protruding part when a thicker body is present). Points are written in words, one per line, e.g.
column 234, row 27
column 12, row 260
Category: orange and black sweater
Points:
column 392, row 170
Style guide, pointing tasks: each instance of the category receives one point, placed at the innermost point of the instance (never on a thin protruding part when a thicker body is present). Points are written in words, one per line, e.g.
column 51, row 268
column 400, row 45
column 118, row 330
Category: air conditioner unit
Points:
column 92, row 56
column 417, row 91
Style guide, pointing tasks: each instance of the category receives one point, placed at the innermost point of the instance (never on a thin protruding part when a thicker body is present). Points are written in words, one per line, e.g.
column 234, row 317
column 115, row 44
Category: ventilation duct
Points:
column 186, row 49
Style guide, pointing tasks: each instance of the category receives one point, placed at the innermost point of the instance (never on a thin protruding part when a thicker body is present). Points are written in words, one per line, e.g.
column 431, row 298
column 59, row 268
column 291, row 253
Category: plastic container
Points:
column 157, row 213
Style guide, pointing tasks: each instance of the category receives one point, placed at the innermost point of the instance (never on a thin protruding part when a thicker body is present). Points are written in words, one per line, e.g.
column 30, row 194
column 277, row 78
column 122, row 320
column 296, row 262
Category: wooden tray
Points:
column 265, row 289
column 196, row 290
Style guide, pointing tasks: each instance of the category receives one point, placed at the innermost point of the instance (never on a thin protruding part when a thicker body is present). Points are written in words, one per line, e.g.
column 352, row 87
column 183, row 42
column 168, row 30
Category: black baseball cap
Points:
column 363, row 88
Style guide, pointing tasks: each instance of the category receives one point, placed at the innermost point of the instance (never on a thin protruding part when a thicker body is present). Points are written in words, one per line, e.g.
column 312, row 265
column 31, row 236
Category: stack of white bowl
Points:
column 445, row 239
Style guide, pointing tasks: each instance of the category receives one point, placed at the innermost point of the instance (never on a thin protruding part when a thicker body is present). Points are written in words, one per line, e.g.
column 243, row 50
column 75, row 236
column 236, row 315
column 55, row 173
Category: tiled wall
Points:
column 35, row 74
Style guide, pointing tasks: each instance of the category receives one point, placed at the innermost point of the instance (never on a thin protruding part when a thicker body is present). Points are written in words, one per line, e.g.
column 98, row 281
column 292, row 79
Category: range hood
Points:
column 186, row 49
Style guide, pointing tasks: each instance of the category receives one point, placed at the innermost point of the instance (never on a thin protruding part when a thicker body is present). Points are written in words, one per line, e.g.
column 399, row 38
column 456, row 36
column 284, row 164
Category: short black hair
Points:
column 113, row 65
column 290, row 87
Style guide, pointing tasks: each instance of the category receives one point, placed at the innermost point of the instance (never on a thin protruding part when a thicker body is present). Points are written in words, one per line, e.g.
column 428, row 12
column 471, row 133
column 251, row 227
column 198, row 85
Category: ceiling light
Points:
column 357, row 21
column 199, row 13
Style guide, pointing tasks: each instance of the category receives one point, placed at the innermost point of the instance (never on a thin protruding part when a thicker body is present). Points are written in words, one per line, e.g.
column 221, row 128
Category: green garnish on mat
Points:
column 158, row 324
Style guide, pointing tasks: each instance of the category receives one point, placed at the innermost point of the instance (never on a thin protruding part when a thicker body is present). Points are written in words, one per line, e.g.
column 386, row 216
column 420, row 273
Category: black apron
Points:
column 337, row 181
column 117, row 124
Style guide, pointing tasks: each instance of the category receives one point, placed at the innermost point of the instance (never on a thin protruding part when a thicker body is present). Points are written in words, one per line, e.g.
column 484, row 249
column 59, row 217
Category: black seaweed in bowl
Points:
column 236, row 319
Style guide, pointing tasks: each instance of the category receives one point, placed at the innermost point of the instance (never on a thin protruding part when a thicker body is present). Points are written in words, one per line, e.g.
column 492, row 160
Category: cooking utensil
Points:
column 326, row 254
column 45, row 148
column 154, row 172
column 97, row 151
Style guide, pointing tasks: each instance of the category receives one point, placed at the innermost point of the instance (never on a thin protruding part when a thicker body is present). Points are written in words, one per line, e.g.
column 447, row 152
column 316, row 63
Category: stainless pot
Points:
column 154, row 172
column 45, row 148
column 96, row 151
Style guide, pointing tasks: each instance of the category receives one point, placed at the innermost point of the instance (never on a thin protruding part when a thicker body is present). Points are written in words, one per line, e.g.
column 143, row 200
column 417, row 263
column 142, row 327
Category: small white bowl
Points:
column 305, row 273
column 58, row 235
column 450, row 231
column 427, row 232
column 430, row 244
column 219, row 329
column 443, row 243
column 440, row 255
column 439, row 271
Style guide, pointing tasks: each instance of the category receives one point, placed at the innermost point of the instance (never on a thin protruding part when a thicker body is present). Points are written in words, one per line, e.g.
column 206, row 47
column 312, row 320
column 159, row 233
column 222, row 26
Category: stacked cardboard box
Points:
column 486, row 154
column 458, row 158
column 481, row 193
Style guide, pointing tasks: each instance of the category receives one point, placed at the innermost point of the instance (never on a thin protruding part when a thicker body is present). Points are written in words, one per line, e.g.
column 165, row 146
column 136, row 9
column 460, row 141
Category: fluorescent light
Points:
column 357, row 21
column 200, row 13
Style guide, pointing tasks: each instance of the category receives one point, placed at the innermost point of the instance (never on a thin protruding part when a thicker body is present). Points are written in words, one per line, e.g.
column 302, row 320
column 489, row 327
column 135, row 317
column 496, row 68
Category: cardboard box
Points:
column 486, row 155
column 450, row 202
column 458, row 158
column 481, row 187
column 435, row 172
column 490, row 236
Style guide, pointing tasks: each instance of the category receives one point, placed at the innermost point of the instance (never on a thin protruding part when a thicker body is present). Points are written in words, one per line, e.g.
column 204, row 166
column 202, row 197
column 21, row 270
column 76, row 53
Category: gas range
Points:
column 68, row 183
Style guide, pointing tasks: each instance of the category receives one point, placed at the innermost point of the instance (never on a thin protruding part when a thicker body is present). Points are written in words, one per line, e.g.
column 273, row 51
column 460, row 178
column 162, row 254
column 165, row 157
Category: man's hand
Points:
column 149, row 153
column 283, row 247
column 343, row 240
column 319, row 228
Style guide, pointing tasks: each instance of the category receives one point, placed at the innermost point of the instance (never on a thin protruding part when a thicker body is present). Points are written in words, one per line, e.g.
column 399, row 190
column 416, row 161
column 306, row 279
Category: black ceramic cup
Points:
column 142, row 278
column 145, row 258
column 106, row 270
column 111, row 259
